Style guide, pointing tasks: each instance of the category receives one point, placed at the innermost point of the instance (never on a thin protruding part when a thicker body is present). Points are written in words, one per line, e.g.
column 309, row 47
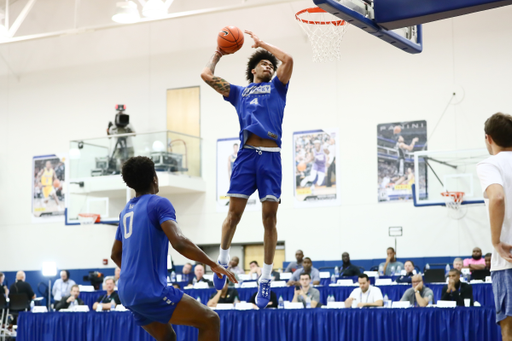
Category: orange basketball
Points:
column 301, row 167
column 230, row 39
column 397, row 130
column 56, row 183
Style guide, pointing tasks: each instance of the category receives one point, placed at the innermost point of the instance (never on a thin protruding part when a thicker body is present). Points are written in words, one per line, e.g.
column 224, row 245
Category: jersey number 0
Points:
column 128, row 228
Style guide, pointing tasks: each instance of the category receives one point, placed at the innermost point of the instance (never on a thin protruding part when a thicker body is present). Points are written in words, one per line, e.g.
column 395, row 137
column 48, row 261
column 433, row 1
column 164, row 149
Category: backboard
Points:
column 441, row 171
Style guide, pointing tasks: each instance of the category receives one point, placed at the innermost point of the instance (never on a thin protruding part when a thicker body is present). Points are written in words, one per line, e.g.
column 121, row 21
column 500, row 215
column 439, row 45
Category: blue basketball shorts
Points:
column 502, row 289
column 159, row 311
column 256, row 169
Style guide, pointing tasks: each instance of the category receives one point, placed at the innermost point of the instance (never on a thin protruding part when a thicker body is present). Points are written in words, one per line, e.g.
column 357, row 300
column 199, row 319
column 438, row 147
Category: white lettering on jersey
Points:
column 254, row 101
column 256, row 90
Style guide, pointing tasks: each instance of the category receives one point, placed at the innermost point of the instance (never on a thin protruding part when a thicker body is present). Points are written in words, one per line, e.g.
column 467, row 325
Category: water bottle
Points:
column 32, row 305
column 198, row 299
column 337, row 272
column 333, row 279
column 386, row 301
column 308, row 303
column 99, row 307
column 280, row 304
column 381, row 270
column 173, row 277
column 427, row 267
column 392, row 271
column 398, row 270
column 236, row 301
column 447, row 269
column 429, row 301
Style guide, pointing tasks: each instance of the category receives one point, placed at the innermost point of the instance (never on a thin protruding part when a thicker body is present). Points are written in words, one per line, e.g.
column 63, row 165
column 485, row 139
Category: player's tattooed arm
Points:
column 219, row 84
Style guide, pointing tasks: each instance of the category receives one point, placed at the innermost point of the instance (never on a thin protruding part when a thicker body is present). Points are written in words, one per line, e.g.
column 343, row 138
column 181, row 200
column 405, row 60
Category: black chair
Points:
column 17, row 303
column 4, row 307
column 374, row 268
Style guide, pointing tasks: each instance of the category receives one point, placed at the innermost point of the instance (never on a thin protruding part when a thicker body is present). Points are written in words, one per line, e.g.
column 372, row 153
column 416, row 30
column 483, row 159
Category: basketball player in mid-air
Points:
column 401, row 147
column 495, row 175
column 260, row 109
column 146, row 226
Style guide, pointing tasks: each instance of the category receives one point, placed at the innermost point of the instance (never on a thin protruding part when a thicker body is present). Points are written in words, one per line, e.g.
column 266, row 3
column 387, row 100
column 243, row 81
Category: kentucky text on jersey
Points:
column 260, row 109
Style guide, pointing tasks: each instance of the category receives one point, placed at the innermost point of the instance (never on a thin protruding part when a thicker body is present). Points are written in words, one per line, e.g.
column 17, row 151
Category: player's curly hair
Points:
column 256, row 57
column 138, row 173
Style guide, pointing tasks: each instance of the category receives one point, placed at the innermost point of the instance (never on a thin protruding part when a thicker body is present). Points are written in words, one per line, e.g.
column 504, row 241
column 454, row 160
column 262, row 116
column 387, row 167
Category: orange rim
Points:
column 458, row 196
column 90, row 215
column 317, row 10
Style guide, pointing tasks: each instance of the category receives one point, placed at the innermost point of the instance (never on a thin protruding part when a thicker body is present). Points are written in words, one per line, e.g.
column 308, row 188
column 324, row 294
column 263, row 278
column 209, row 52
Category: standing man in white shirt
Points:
column 366, row 295
column 495, row 175
column 62, row 286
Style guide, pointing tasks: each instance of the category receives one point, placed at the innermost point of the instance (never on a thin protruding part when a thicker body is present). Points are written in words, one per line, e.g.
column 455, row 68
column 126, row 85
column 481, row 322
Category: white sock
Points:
column 267, row 271
column 223, row 256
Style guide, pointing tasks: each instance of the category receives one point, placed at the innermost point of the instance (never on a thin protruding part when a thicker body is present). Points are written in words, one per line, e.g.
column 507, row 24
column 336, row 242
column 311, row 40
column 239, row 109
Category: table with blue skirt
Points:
column 367, row 324
column 482, row 292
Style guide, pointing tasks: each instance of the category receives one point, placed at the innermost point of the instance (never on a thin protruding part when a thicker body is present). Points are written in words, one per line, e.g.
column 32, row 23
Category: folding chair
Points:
column 17, row 303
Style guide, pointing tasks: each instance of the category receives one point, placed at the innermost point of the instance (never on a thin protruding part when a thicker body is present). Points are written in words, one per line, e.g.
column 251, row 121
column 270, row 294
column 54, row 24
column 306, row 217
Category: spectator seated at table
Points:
column 456, row 290
column 307, row 268
column 273, row 303
column 305, row 291
column 226, row 295
column 366, row 295
column 62, row 286
column 70, row 301
column 186, row 272
column 419, row 295
column 409, row 272
column 297, row 264
column 391, row 264
column 110, row 300
column 487, row 258
column 3, row 288
column 198, row 277
column 233, row 266
column 348, row 269
column 476, row 262
column 254, row 270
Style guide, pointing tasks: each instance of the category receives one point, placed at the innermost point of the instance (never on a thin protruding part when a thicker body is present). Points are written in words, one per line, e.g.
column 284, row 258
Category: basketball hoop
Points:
column 88, row 218
column 324, row 34
column 453, row 202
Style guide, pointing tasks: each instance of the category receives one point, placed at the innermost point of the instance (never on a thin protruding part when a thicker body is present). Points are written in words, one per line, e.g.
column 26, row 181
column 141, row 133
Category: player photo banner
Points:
column 227, row 150
column 48, row 188
column 315, row 155
column 395, row 144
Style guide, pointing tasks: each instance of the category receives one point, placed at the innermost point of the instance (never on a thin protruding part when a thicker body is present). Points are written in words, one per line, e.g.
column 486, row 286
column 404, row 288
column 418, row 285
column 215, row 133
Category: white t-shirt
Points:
column 371, row 295
column 498, row 170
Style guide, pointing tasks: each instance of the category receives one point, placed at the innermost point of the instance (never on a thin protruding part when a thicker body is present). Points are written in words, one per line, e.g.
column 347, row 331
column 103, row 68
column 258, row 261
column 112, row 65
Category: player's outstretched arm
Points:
column 220, row 85
column 190, row 250
column 496, row 196
column 284, row 72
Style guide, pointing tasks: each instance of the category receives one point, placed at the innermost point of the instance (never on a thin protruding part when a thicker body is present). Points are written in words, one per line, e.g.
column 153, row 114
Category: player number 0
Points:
column 128, row 233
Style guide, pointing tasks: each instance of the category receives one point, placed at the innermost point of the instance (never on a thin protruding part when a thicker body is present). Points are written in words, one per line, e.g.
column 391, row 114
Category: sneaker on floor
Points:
column 219, row 282
column 263, row 296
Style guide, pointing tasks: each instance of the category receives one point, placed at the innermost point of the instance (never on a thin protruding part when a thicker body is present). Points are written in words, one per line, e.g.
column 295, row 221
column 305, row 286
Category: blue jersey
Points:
column 145, row 247
column 260, row 109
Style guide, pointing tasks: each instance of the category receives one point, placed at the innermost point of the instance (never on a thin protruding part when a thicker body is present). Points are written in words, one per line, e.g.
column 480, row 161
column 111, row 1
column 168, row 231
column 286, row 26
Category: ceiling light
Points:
column 127, row 13
column 154, row 9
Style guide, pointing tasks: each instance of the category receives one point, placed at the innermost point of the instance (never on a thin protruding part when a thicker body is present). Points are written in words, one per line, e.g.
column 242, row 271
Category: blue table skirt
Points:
column 481, row 293
column 378, row 324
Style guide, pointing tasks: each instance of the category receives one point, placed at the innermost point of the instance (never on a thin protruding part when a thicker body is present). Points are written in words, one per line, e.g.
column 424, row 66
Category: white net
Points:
column 87, row 219
column 453, row 202
column 325, row 33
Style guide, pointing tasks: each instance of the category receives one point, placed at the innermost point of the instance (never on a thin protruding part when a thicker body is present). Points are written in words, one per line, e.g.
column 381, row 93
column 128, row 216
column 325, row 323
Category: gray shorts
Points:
column 502, row 289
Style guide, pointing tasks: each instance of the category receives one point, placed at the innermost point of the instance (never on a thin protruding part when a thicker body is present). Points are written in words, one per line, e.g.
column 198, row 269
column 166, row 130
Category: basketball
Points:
column 397, row 130
column 230, row 39
column 56, row 184
column 301, row 167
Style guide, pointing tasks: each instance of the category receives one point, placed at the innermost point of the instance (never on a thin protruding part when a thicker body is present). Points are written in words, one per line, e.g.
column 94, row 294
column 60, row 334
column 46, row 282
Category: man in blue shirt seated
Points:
column 391, row 265
column 62, row 286
column 348, row 269
column 409, row 272
column 306, row 269
column 186, row 272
